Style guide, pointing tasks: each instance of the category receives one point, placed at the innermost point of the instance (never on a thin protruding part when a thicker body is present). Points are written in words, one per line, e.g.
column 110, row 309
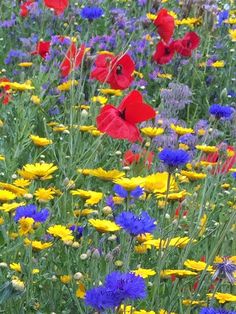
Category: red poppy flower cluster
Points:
column 117, row 71
column 167, row 47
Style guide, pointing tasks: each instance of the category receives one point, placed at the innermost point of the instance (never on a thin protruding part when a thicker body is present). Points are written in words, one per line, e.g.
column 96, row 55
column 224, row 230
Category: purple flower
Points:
column 226, row 269
column 101, row 299
column 31, row 211
column 118, row 288
column 77, row 230
column 234, row 175
column 137, row 192
column 91, row 13
column 136, row 224
column 125, row 286
column 120, row 191
column 173, row 158
column 221, row 111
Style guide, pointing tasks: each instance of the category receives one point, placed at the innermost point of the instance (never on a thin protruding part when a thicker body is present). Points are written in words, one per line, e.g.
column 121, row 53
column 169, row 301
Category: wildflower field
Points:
column 117, row 157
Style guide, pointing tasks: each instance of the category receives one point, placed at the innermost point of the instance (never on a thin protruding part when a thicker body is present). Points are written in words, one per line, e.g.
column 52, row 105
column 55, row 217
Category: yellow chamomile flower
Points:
column 197, row 265
column 192, row 176
column 106, row 175
column 158, row 182
column 25, row 225
column 40, row 141
column 223, row 297
column 177, row 272
column 218, row 64
column 129, row 184
column 25, row 64
column 6, row 196
column 41, row 171
column 61, row 232
column 181, row 130
column 44, row 195
column 109, row 91
column 67, row 85
column 18, row 86
column 152, row 132
column 7, row 207
column 91, row 197
column 232, row 33
column 35, row 100
column 144, row 272
column 103, row 225
column 37, row 245
column 207, row 149
column 65, row 279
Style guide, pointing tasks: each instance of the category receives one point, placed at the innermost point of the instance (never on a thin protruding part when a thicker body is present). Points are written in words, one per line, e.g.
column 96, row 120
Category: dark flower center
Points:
column 167, row 51
column 119, row 70
column 122, row 114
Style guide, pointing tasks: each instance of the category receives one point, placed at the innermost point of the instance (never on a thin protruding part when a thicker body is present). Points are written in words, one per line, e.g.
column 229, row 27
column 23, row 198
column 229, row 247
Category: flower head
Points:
column 221, row 111
column 225, row 269
column 136, row 225
column 126, row 286
column 174, row 158
column 61, row 232
column 91, row 13
column 31, row 212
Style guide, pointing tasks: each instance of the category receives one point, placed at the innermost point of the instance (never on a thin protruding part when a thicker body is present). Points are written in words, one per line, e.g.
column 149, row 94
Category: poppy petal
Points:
column 135, row 109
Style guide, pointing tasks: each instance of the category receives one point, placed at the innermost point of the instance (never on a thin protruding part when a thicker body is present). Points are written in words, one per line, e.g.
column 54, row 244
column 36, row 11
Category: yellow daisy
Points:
column 103, row 225
column 61, row 232
column 44, row 195
column 40, row 141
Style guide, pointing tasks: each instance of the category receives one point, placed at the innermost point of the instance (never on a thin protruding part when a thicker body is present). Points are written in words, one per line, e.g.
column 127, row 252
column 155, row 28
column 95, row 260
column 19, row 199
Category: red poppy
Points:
column 72, row 59
column 164, row 53
column 42, row 48
column 121, row 122
column 165, row 24
column 114, row 70
column 4, row 95
column 226, row 165
column 187, row 44
column 130, row 157
column 58, row 6
column 24, row 8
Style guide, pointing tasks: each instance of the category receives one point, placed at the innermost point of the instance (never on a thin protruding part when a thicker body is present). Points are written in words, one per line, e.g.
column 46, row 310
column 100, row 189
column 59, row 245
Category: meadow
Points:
column 117, row 157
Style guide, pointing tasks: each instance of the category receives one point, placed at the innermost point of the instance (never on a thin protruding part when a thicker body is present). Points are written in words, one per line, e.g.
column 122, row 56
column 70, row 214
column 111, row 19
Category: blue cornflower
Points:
column 211, row 310
column 77, row 230
column 134, row 224
column 101, row 299
column 221, row 111
column 110, row 202
column 118, row 288
column 91, row 13
column 137, row 192
column 120, row 191
column 226, row 269
column 234, row 175
column 125, row 286
column 174, row 158
column 223, row 15
column 31, row 212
